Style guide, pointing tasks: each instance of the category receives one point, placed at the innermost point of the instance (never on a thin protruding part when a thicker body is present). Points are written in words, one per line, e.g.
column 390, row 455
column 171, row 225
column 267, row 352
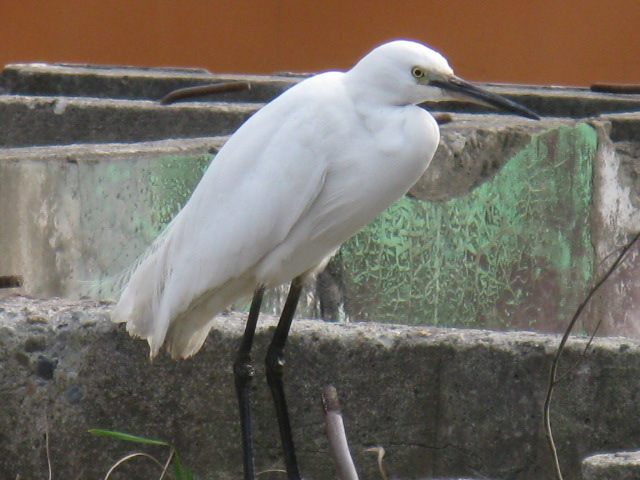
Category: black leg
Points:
column 243, row 372
column 275, row 363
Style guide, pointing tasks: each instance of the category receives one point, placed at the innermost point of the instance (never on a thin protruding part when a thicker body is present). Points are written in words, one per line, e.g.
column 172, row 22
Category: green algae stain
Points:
column 128, row 201
column 172, row 179
column 514, row 253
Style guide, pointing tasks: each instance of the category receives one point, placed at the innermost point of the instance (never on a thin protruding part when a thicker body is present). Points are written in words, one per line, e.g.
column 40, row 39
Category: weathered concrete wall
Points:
column 77, row 214
column 615, row 220
column 519, row 251
column 153, row 83
column 516, row 250
column 549, row 202
column 442, row 402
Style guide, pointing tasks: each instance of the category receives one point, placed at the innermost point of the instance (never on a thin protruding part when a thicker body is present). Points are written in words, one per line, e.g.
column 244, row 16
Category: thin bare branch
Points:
column 202, row 90
column 626, row 88
column 583, row 355
column 167, row 463
column 46, row 444
column 131, row 456
column 272, row 470
column 380, row 451
column 553, row 376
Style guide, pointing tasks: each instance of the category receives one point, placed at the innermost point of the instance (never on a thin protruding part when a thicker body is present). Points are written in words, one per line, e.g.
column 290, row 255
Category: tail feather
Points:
column 148, row 307
column 136, row 306
column 141, row 294
column 188, row 332
column 163, row 305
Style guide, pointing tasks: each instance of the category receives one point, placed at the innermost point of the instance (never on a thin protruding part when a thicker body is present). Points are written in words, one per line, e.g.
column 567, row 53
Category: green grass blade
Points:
column 128, row 438
column 181, row 473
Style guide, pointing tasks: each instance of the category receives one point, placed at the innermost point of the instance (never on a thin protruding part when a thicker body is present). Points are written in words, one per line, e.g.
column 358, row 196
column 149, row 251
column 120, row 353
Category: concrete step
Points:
column 154, row 83
column 91, row 210
column 45, row 120
column 442, row 402
column 612, row 466
column 130, row 83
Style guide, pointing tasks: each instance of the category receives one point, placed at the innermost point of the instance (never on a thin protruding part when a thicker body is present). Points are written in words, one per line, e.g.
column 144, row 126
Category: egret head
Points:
column 404, row 72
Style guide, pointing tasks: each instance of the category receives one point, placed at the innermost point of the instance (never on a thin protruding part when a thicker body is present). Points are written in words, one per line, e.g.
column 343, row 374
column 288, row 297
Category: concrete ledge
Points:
column 29, row 120
column 88, row 211
column 442, row 402
column 74, row 216
column 153, row 83
column 101, row 81
column 625, row 127
column 473, row 149
column 71, row 204
column 612, row 466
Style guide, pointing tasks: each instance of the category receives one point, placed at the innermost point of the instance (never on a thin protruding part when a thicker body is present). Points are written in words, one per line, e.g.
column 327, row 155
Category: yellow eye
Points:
column 417, row 72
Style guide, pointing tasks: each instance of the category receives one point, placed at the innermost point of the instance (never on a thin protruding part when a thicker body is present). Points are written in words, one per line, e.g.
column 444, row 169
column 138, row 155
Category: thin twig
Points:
column 380, row 451
column 126, row 458
column 346, row 470
column 81, row 473
column 46, row 444
column 202, row 90
column 553, row 376
column 168, row 462
column 583, row 355
column 272, row 470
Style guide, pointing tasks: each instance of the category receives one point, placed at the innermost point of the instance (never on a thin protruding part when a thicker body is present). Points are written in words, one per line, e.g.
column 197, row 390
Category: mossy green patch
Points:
column 516, row 252
column 128, row 202
column 172, row 179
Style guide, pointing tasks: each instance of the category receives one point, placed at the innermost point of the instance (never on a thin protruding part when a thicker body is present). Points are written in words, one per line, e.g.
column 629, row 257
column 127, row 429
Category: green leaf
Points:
column 181, row 473
column 128, row 438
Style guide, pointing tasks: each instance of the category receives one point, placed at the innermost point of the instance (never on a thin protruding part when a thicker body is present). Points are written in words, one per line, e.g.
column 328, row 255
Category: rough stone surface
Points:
column 79, row 214
column 612, row 466
column 79, row 235
column 66, row 213
column 472, row 151
column 33, row 120
column 625, row 127
column 442, row 402
column 130, row 82
column 516, row 251
column 615, row 220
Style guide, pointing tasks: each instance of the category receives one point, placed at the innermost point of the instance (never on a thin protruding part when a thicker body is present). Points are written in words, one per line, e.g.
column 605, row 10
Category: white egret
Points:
column 299, row 178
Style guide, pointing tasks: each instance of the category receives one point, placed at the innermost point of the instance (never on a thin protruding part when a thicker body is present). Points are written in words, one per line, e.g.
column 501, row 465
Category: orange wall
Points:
column 540, row 41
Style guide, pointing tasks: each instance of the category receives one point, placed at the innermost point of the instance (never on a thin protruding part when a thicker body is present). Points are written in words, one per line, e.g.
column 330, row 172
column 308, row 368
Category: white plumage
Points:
column 289, row 187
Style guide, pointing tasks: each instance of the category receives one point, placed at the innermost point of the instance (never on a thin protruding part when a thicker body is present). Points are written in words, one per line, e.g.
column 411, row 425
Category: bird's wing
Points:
column 238, row 215
column 258, row 186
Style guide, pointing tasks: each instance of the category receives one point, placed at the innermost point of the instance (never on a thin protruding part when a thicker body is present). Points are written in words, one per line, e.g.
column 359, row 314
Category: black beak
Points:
column 468, row 90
